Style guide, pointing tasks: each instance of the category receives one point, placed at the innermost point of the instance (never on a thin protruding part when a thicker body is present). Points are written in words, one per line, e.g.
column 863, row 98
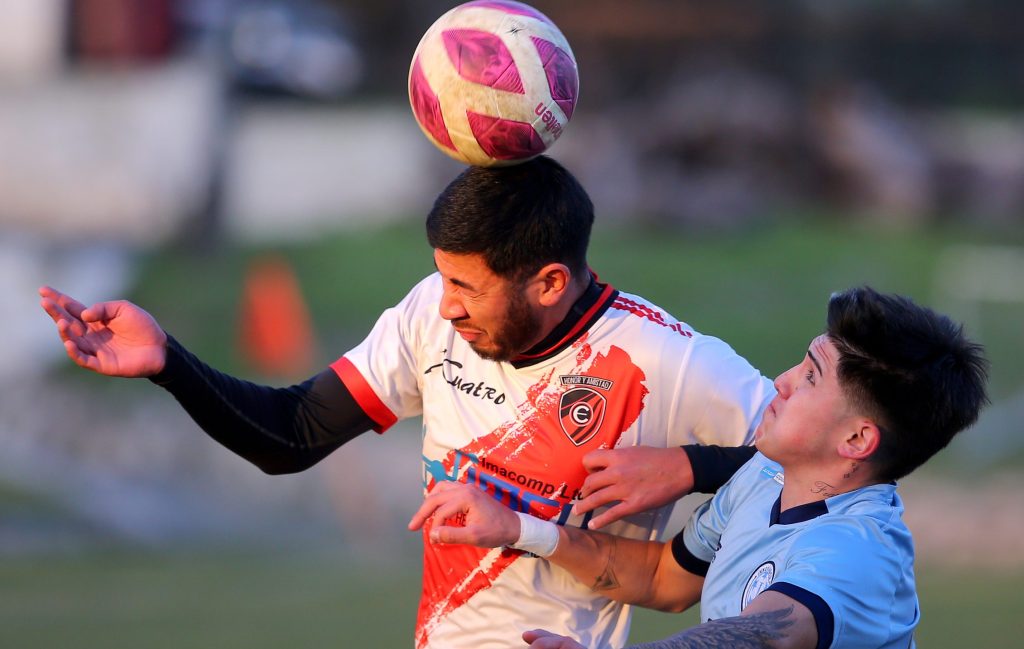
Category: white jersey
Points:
column 619, row 372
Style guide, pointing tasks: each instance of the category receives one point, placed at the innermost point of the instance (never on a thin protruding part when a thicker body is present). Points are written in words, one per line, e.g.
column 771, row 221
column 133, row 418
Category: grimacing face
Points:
column 489, row 312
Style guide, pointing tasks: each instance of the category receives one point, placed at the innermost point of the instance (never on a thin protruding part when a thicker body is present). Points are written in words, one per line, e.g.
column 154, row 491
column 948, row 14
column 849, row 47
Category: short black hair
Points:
column 519, row 218
column 912, row 370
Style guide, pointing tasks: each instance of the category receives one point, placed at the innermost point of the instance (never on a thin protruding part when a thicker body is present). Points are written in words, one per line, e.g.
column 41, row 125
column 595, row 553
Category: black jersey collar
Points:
column 584, row 313
column 797, row 514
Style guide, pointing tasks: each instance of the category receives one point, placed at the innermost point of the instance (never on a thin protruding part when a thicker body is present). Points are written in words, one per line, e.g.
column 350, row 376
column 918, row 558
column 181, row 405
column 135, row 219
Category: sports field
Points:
column 257, row 601
column 762, row 291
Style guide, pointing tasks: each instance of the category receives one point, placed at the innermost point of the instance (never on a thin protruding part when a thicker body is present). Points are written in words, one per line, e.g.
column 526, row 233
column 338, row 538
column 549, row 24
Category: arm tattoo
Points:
column 606, row 580
column 755, row 631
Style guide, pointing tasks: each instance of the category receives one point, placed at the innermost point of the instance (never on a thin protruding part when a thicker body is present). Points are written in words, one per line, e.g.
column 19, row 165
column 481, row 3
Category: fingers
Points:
column 599, row 498
column 101, row 312
column 540, row 639
column 439, row 495
column 68, row 326
column 463, row 514
column 80, row 358
column 64, row 301
column 534, row 634
column 446, row 499
column 65, row 311
column 600, row 480
column 597, row 460
column 451, row 534
column 613, row 514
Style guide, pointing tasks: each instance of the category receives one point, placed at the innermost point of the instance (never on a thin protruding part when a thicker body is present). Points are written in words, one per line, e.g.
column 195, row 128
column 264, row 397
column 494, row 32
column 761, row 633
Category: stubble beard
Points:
column 518, row 330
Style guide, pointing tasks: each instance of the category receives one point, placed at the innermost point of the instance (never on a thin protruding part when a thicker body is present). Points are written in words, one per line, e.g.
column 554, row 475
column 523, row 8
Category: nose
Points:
column 782, row 384
column 451, row 307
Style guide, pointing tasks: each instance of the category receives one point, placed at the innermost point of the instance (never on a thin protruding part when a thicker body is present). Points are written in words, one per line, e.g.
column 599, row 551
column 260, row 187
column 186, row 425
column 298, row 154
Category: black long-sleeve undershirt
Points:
column 287, row 430
column 712, row 466
column 280, row 430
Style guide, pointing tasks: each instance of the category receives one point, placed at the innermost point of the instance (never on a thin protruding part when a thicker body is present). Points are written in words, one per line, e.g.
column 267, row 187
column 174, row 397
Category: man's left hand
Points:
column 637, row 478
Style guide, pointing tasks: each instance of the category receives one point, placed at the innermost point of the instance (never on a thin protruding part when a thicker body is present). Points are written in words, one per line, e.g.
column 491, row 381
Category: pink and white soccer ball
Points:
column 493, row 82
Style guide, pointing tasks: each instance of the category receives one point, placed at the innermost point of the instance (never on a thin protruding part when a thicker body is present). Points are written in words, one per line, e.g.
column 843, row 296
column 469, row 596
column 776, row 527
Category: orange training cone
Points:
column 276, row 335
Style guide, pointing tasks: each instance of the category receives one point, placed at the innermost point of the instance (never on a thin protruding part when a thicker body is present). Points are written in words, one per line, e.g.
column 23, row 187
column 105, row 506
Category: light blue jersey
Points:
column 849, row 559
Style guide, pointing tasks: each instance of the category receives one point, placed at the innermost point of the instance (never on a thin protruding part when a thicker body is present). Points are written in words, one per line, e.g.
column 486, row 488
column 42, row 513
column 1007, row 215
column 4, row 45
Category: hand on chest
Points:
column 523, row 433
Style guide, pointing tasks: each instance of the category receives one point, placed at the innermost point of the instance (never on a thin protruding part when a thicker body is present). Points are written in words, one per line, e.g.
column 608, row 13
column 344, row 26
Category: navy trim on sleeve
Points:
column 686, row 560
column 823, row 618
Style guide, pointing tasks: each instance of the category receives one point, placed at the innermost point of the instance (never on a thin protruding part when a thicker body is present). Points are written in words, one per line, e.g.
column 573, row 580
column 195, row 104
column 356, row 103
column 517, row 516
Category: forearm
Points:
column 280, row 430
column 768, row 630
column 625, row 570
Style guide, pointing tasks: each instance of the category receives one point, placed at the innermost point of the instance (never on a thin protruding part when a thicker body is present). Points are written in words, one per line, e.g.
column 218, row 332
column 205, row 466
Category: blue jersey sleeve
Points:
column 702, row 536
column 859, row 573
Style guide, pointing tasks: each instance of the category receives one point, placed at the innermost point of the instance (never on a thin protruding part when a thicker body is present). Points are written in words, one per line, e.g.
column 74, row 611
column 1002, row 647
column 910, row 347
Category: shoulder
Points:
column 867, row 531
column 649, row 317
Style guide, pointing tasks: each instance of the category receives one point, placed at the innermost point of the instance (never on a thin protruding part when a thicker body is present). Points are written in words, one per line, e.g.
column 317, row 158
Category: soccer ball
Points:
column 493, row 82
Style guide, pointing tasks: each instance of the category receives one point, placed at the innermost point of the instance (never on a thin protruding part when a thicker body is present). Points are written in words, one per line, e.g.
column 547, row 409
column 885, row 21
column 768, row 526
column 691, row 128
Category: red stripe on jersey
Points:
column 584, row 321
column 364, row 394
column 646, row 312
column 531, row 464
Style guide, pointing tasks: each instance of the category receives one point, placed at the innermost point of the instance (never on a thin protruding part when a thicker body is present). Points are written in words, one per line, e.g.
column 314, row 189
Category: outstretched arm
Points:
column 280, row 430
column 772, row 621
column 627, row 570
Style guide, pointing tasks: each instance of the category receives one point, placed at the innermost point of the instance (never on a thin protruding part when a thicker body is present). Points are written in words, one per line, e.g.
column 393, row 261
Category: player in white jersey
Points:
column 518, row 430
column 520, row 362
column 805, row 546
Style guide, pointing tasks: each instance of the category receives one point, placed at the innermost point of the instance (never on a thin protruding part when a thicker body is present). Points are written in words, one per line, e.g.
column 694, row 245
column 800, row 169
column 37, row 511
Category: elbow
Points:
column 670, row 607
column 283, row 465
column 277, row 469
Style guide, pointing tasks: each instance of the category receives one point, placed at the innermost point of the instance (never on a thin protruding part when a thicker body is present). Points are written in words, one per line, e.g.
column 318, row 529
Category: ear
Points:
column 552, row 283
column 861, row 440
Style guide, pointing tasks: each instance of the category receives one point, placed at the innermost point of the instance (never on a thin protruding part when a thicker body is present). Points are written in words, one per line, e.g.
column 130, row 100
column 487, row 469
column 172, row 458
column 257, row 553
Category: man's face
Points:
column 491, row 313
column 801, row 425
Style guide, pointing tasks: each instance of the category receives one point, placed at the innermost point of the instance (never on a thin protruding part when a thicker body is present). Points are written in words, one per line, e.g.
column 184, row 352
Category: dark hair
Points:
column 911, row 370
column 519, row 217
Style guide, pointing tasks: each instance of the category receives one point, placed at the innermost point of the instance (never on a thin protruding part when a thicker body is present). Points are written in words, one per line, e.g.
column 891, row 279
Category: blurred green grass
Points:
column 238, row 599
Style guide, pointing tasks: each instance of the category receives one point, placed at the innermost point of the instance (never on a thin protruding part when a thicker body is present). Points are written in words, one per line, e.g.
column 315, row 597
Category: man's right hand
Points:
column 112, row 338
column 485, row 522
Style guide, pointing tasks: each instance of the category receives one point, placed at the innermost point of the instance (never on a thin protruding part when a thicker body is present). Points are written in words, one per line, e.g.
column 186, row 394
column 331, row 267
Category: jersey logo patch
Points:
column 759, row 580
column 581, row 412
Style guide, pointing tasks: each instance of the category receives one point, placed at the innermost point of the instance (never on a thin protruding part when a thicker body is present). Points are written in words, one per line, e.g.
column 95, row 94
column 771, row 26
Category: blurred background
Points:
column 249, row 171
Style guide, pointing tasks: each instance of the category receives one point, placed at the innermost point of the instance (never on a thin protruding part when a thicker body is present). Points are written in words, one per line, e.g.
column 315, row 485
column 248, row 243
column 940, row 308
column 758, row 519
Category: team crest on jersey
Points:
column 580, row 412
column 759, row 580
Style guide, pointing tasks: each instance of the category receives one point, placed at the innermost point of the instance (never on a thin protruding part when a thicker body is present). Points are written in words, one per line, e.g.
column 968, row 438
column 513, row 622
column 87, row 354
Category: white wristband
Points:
column 536, row 536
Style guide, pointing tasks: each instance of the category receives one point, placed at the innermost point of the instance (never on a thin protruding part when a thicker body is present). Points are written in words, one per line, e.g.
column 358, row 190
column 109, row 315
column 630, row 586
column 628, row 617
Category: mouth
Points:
column 469, row 335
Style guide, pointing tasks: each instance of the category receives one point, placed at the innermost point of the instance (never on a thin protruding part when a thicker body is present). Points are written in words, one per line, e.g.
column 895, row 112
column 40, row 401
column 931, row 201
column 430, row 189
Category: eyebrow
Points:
column 457, row 282
column 815, row 361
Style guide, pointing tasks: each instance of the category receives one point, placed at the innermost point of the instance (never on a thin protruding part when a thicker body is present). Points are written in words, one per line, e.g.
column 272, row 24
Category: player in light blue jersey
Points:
column 805, row 546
